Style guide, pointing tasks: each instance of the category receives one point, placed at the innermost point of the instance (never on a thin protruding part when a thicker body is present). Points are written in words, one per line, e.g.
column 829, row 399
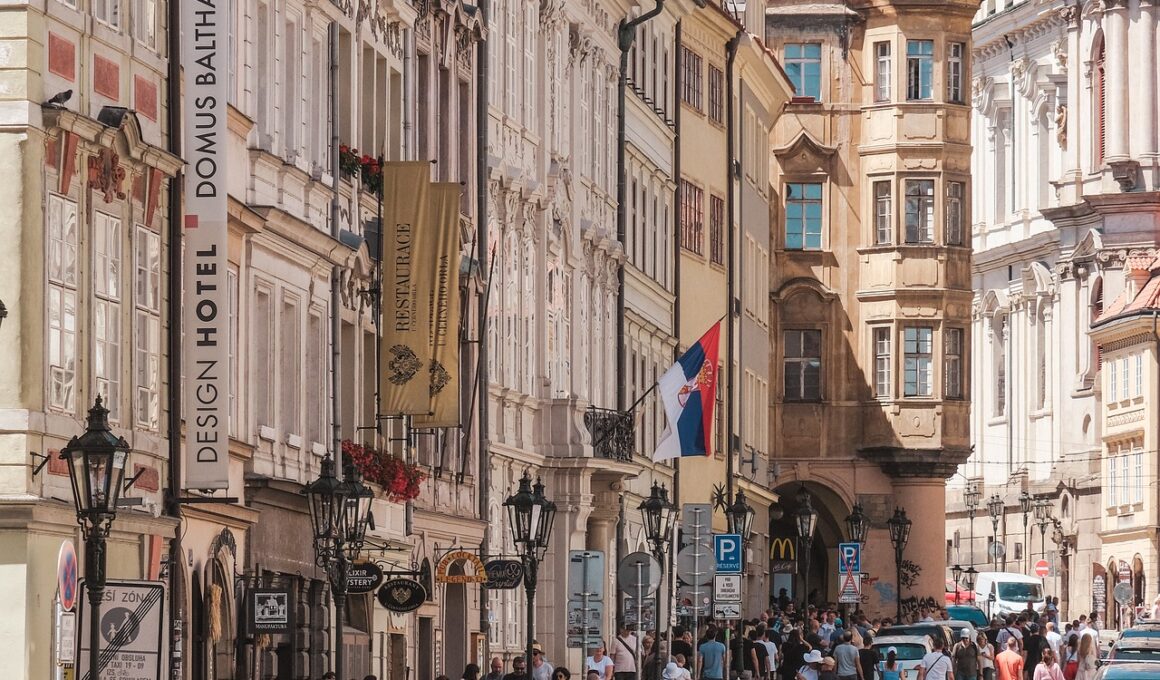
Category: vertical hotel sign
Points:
column 205, row 317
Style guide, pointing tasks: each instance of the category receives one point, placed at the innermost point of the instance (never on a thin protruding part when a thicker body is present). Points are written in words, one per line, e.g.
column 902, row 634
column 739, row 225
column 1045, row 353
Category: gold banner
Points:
column 444, row 370
column 409, row 278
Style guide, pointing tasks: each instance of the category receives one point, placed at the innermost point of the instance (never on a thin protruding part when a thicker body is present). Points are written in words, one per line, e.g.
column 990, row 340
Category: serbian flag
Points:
column 689, row 393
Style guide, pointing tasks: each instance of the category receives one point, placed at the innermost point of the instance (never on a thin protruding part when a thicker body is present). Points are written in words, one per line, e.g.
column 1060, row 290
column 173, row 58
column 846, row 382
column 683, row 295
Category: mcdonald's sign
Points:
column 782, row 555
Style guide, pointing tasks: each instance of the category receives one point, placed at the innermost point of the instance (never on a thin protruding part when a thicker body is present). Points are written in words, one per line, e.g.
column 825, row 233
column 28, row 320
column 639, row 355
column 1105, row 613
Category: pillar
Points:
column 1116, row 80
column 924, row 499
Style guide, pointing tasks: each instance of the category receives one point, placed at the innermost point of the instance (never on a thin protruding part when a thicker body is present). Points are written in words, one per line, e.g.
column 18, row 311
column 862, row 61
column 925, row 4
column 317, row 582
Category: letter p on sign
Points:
column 727, row 551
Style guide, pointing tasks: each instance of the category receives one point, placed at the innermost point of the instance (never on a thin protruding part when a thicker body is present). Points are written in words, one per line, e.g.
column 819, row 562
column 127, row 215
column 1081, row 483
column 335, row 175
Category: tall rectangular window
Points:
column 716, row 95
column 1139, row 375
column 145, row 22
column 803, row 365
column 291, row 74
column 882, row 363
column 1111, row 380
column 803, row 64
column 803, row 217
column 290, row 367
column 691, row 85
column 692, row 217
column 315, row 369
column 883, row 214
column 954, row 226
column 1113, row 486
column 147, row 334
column 232, row 302
column 919, row 69
column 107, row 12
column 882, row 69
column 107, row 311
column 716, row 230
column 918, row 354
column 920, row 211
column 1138, row 481
column 955, row 53
column 1125, row 385
column 953, row 354
column 262, row 364
column 62, row 303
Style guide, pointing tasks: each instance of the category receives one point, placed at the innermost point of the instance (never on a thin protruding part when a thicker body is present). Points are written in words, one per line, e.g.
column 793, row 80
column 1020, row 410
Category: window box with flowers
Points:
column 365, row 166
column 399, row 479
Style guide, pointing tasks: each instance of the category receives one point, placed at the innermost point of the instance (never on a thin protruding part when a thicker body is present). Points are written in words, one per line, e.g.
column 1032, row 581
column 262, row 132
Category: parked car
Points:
column 958, row 594
column 1141, row 630
column 1135, row 649
column 1000, row 592
column 910, row 649
column 1133, row 670
column 947, row 631
column 972, row 614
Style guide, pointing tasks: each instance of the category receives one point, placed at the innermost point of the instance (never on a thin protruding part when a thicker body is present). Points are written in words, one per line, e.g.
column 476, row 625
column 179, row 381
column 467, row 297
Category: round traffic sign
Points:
column 1042, row 569
column 66, row 575
column 638, row 574
column 696, row 564
column 997, row 550
column 1122, row 592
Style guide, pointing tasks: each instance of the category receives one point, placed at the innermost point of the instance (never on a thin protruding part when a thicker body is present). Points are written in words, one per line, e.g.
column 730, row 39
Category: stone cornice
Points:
column 897, row 461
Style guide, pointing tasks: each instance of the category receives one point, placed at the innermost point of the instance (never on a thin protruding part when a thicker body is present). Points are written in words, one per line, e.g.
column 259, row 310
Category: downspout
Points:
column 626, row 33
column 335, row 275
column 1008, row 328
column 669, row 569
column 483, row 485
column 730, row 210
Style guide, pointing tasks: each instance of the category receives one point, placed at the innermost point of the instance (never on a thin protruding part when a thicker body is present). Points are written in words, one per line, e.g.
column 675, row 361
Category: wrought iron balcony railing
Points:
column 612, row 433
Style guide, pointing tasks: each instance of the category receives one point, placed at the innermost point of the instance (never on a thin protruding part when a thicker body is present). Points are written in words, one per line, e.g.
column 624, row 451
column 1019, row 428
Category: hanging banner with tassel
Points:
column 444, row 368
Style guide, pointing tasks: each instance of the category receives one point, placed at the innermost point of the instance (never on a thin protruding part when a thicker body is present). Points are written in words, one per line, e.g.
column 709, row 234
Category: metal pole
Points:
column 898, row 575
column 696, row 577
column 531, row 569
column 583, row 605
column 338, row 590
column 639, row 619
column 657, row 617
column 95, row 584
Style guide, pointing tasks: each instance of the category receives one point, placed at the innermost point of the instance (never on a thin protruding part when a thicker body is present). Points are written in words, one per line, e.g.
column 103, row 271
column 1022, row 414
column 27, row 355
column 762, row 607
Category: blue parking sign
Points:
column 849, row 558
column 727, row 551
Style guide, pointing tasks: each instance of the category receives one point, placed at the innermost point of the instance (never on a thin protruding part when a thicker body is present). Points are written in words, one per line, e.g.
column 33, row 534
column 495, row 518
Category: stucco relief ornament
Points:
column 980, row 92
column 106, row 174
column 1069, row 14
column 403, row 365
column 1059, row 49
column 1061, row 126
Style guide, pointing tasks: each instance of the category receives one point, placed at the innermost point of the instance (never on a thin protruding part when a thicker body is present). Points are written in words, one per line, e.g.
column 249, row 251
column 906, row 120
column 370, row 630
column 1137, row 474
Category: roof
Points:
column 887, row 640
column 1147, row 300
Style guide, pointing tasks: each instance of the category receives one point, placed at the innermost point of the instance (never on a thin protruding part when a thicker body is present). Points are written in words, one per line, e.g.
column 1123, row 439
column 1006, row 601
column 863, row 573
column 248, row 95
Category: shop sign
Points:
column 363, row 578
column 504, row 574
column 402, row 595
column 1099, row 590
column 66, row 575
column 270, row 611
column 478, row 574
column 782, row 555
column 131, row 627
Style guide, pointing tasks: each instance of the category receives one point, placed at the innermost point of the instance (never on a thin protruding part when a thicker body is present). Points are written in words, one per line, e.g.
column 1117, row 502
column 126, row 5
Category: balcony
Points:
column 612, row 433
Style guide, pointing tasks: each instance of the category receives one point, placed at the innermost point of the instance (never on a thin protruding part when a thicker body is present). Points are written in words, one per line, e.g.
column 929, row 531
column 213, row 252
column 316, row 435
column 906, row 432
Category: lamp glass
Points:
column 356, row 512
column 899, row 529
column 96, row 462
column 739, row 516
column 1025, row 502
column 519, row 506
column 857, row 524
column 543, row 517
column 807, row 517
column 995, row 506
column 326, row 500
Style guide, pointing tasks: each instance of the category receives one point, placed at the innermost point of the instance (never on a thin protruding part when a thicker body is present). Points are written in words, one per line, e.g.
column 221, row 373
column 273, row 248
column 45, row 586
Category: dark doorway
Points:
column 426, row 648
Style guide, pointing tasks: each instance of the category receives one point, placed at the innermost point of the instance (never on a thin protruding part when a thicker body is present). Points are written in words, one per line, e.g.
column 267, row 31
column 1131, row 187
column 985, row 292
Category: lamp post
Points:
column 1042, row 507
column 899, row 535
column 1025, row 508
column 339, row 513
column 956, row 574
column 807, row 522
column 96, row 468
column 530, row 518
column 969, row 577
column 857, row 524
column 995, row 510
column 739, row 519
column 971, row 500
column 658, row 514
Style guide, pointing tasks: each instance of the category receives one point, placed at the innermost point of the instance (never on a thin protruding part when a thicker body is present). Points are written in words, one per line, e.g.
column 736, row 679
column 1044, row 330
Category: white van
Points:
column 1000, row 592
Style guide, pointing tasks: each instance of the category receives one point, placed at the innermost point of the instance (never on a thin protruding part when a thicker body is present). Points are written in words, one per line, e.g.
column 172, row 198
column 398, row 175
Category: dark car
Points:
column 1136, row 649
column 970, row 613
column 1129, row 671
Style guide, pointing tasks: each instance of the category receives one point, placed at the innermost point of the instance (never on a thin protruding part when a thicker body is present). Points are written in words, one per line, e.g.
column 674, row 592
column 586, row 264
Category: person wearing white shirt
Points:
column 1054, row 639
column 599, row 662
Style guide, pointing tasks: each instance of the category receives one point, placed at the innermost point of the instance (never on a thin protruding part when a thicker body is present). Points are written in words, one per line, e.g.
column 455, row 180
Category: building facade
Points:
column 870, row 279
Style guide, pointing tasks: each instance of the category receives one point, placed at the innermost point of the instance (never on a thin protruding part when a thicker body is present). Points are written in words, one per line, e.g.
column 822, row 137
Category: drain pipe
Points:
column 335, row 275
column 730, row 151
column 483, row 486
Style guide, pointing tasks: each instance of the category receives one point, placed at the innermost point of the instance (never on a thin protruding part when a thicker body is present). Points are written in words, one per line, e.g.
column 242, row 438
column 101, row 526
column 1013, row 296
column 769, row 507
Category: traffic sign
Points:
column 693, row 601
column 849, row 558
column 851, row 589
column 66, row 575
column 638, row 573
column 696, row 521
column 727, row 610
column 997, row 550
column 131, row 625
column 1122, row 592
column 1042, row 569
column 585, row 575
column 696, row 564
column 577, row 635
column 727, row 553
column 727, row 588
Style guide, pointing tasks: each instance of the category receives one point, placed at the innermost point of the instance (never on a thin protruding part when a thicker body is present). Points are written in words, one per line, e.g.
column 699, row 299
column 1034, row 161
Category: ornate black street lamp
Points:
column 971, row 499
column 1025, row 507
column 857, row 524
column 739, row 516
column 530, row 518
column 969, row 577
column 995, row 509
column 96, row 468
column 956, row 574
column 899, row 535
column 807, row 522
column 339, row 513
column 1042, row 518
column 659, row 515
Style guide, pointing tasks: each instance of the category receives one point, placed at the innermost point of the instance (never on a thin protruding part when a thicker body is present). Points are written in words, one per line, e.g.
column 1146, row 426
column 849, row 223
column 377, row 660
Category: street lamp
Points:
column 995, row 509
column 807, row 522
column 96, row 468
column 659, row 516
column 857, row 524
column 969, row 577
column 1042, row 507
column 971, row 500
column 530, row 518
column 339, row 514
column 899, row 535
column 1025, row 507
column 956, row 574
column 739, row 516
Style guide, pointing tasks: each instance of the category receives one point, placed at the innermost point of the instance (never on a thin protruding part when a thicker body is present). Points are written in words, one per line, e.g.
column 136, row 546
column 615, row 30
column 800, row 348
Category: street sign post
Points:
column 1122, row 592
column 695, row 563
column 729, row 611
column 586, row 592
column 850, row 591
column 727, row 588
column 638, row 575
column 727, row 553
column 132, row 630
column 997, row 550
column 699, row 566
column 584, row 622
column 1042, row 569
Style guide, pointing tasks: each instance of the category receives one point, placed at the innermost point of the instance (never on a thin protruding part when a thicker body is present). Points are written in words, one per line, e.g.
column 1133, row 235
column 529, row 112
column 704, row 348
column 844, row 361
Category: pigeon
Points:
column 57, row 100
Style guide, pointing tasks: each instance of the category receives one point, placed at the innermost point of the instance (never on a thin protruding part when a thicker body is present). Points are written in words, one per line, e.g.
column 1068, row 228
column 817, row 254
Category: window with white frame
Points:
column 883, row 213
column 920, row 211
column 999, row 363
column 1140, row 375
column 262, row 365
column 1112, row 383
column 290, row 366
column 954, row 225
column 919, row 69
column 1138, row 465
column 145, row 22
column 882, row 71
column 147, row 331
column 882, row 362
column 1125, row 384
column 955, row 54
column 107, row 311
column 803, row 365
column 107, row 12
column 918, row 355
column 62, row 303
column 315, row 361
column 953, row 363
column 1113, row 488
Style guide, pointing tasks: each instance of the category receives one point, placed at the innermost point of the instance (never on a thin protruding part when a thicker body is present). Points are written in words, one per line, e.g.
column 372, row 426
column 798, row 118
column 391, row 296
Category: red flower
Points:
column 399, row 479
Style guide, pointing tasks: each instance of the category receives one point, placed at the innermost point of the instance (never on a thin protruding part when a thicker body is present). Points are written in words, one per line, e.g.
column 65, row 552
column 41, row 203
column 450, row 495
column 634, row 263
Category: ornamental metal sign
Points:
column 363, row 578
column 270, row 611
column 402, row 595
column 478, row 574
column 504, row 574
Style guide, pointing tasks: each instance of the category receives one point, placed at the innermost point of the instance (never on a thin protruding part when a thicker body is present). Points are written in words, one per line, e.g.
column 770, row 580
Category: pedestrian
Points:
column 828, row 671
column 793, row 653
column 682, row 642
column 519, row 670
column 328, row 675
column 1054, row 640
column 496, row 672
column 770, row 653
column 470, row 672
column 936, row 665
column 1048, row 669
column 598, row 661
column 868, row 657
column 1010, row 661
column 711, row 660
column 1070, row 658
column 1086, row 668
column 966, row 657
column 1033, row 646
column 623, row 653
column 675, row 672
column 890, row 668
column 986, row 657
column 811, row 666
column 541, row 669
column 846, row 658
column 561, row 673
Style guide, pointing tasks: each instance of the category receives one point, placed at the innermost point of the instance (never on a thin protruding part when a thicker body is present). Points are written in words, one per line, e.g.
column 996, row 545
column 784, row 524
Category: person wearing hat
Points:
column 829, row 669
column 966, row 657
column 541, row 669
column 811, row 667
column 890, row 668
column 674, row 672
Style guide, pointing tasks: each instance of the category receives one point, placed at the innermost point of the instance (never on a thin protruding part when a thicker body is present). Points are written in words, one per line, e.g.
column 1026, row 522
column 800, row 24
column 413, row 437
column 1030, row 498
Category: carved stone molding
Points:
column 1059, row 50
column 106, row 175
column 1070, row 15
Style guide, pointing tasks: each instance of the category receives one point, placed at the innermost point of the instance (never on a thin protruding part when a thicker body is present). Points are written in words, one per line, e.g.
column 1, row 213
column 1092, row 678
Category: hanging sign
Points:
column 504, row 574
column 270, row 611
column 478, row 575
column 402, row 595
column 363, row 578
column 66, row 575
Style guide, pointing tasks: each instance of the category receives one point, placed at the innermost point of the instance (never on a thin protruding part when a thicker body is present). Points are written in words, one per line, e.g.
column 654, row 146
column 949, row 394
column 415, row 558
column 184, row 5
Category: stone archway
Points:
column 831, row 508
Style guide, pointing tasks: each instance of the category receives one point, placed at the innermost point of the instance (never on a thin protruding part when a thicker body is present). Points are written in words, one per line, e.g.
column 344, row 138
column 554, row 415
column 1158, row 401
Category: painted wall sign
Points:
column 478, row 575
column 363, row 577
column 270, row 611
column 504, row 574
column 402, row 595
column 206, row 317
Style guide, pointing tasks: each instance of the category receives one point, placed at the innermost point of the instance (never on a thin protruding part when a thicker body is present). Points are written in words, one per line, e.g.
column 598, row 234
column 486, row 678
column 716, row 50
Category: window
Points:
column 62, row 303
column 716, row 230
column 882, row 72
column 716, row 95
column 919, row 69
column 145, row 22
column 954, row 226
column 920, row 211
column 917, row 348
column 263, row 361
column 289, row 367
column 1100, row 104
column 999, row 363
column 882, row 362
column 691, row 87
column 107, row 311
column 883, row 214
column 147, row 331
column 1111, row 380
column 803, row 365
column 1138, row 464
column 108, row 12
column 803, row 64
column 803, row 217
column 955, row 53
column 1113, row 487
column 1139, row 375
column 953, row 354
column 1125, row 385
column 692, row 217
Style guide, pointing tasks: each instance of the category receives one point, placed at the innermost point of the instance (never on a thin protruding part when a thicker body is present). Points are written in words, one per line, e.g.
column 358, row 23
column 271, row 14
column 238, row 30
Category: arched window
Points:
column 1097, row 309
column 999, row 363
column 1041, row 356
column 1099, row 103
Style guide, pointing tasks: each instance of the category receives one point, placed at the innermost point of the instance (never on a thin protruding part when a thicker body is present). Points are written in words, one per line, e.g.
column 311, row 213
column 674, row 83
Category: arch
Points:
column 995, row 301
column 1091, row 243
column 1139, row 580
column 832, row 501
column 799, row 284
column 1037, row 278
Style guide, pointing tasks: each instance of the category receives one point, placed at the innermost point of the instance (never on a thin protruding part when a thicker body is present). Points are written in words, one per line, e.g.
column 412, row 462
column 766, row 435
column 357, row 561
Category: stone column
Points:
column 1075, row 135
column 924, row 499
column 1144, row 83
column 1116, row 96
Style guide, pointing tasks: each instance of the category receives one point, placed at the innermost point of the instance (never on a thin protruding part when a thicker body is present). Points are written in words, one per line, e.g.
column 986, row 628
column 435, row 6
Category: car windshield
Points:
column 1137, row 655
column 905, row 652
column 975, row 616
column 1150, row 632
column 1020, row 592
